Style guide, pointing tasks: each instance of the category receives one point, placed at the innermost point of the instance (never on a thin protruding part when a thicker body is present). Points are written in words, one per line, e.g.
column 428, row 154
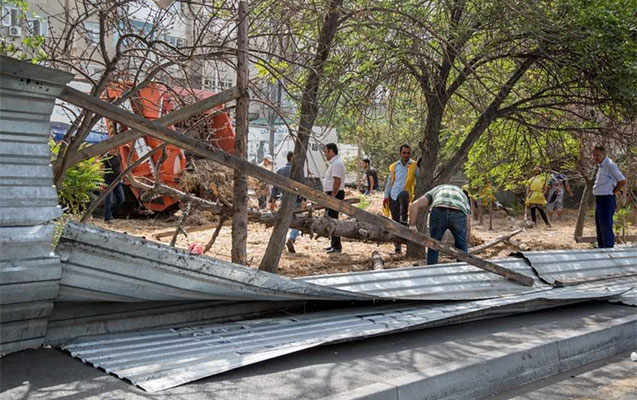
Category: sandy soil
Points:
column 311, row 258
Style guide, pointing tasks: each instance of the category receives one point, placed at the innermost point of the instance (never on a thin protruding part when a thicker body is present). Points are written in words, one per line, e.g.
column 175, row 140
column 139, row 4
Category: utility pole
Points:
column 240, row 191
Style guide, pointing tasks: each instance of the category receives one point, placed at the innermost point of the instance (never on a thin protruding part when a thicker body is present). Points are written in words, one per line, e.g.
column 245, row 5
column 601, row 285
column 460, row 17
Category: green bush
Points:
column 79, row 183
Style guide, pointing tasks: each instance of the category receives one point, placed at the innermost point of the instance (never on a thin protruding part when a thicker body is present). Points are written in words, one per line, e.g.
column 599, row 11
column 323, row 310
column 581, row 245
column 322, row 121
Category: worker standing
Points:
column 536, row 188
column 334, row 185
column 609, row 182
column 286, row 171
column 371, row 176
column 399, row 189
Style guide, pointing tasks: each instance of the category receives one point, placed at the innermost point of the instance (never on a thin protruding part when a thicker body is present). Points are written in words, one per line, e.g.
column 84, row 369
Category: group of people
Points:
column 543, row 190
column 449, row 205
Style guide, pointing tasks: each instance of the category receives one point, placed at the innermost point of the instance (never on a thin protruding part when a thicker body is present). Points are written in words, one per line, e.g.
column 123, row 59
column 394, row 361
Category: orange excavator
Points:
column 152, row 102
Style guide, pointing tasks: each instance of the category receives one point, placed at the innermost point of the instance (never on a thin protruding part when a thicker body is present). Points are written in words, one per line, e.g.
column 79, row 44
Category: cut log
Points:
column 618, row 238
column 377, row 261
column 499, row 239
column 202, row 149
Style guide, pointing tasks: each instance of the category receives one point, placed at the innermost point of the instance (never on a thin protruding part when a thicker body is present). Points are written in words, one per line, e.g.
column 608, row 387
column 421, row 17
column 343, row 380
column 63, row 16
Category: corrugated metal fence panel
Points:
column 72, row 320
column 160, row 359
column 27, row 96
column 575, row 266
column 458, row 281
column 29, row 271
column 102, row 265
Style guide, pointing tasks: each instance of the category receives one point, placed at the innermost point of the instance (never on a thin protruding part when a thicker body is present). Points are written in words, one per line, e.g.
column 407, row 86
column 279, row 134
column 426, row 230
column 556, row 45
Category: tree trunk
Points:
column 587, row 194
column 309, row 111
column 240, row 190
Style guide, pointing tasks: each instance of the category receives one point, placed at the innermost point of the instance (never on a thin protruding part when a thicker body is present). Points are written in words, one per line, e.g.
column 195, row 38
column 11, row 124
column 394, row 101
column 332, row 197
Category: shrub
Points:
column 79, row 183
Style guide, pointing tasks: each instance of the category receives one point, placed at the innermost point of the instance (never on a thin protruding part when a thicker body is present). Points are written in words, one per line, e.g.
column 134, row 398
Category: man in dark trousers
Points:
column 113, row 200
column 450, row 209
column 371, row 177
column 399, row 189
column 334, row 185
column 609, row 182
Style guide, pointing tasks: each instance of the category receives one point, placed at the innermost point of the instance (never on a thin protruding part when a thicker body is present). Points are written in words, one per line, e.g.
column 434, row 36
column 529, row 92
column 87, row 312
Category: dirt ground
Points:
column 311, row 259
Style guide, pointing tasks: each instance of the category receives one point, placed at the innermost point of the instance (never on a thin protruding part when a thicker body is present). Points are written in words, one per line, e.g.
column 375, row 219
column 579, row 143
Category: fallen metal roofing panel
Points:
column 457, row 281
column 567, row 267
column 72, row 320
column 159, row 359
column 102, row 265
column 29, row 282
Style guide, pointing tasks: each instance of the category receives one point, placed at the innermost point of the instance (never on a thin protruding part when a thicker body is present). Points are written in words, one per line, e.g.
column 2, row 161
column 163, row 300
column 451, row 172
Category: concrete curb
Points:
column 497, row 371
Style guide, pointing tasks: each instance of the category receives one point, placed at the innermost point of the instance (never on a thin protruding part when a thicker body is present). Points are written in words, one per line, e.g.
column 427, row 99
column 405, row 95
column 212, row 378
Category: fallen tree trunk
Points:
column 499, row 239
column 202, row 149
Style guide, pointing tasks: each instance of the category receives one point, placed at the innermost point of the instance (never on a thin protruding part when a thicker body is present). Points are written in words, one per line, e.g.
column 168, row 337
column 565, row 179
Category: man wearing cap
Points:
column 334, row 185
column 609, row 182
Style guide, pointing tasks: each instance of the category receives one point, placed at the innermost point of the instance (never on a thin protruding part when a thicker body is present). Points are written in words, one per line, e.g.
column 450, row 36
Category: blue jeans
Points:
column 604, row 210
column 113, row 200
column 442, row 219
column 294, row 233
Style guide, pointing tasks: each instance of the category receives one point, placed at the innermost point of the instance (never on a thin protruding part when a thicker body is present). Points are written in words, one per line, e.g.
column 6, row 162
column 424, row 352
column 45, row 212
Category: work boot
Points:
column 333, row 250
column 290, row 245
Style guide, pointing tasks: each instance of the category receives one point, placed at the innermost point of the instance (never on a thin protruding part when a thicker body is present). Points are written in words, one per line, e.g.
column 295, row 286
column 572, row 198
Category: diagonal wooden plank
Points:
column 168, row 119
column 204, row 150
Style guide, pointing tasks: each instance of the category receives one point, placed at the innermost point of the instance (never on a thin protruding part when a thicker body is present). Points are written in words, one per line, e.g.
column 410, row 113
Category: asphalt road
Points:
column 312, row 374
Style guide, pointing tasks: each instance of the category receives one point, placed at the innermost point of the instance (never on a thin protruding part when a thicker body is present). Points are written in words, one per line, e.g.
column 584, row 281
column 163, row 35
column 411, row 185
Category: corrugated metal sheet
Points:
column 29, row 271
column 27, row 194
column 567, row 267
column 457, row 281
column 102, row 265
column 160, row 359
column 72, row 320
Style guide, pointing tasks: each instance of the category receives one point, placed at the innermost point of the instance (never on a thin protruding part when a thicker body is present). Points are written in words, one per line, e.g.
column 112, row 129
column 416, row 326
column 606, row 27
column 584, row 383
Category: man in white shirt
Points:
column 334, row 185
column 609, row 182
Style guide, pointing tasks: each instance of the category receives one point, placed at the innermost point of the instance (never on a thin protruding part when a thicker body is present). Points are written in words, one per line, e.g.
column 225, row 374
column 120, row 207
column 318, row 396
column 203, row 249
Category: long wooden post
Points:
column 168, row 119
column 204, row 150
column 240, row 190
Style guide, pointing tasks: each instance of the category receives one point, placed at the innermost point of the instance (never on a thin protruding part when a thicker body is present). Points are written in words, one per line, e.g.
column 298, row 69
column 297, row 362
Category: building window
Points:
column 11, row 16
column 206, row 82
column 37, row 27
column 92, row 31
column 176, row 41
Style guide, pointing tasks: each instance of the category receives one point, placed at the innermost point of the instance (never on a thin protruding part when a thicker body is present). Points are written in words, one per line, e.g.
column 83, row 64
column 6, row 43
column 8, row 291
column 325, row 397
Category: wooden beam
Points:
column 618, row 238
column 168, row 119
column 499, row 239
column 204, row 150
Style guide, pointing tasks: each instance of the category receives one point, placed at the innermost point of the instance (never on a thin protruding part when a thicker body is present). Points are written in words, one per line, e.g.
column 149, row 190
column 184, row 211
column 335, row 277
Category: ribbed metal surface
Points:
column 102, row 265
column 164, row 358
column 27, row 96
column 72, row 320
column 458, row 281
column 567, row 267
column 29, row 271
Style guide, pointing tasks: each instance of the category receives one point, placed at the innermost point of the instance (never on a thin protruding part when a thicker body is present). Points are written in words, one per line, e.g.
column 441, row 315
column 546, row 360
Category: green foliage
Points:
column 506, row 156
column 363, row 202
column 81, row 180
column 31, row 47
column 621, row 220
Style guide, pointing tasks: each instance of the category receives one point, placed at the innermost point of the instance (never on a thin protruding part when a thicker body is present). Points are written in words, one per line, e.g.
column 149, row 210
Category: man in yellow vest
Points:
column 399, row 189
